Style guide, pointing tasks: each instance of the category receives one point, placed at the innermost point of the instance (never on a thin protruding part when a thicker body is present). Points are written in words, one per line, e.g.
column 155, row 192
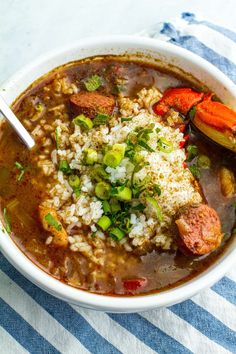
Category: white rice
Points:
column 166, row 170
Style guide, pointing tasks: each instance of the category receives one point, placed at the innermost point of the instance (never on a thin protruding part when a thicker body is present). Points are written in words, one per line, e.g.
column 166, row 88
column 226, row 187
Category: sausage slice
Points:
column 199, row 230
column 91, row 103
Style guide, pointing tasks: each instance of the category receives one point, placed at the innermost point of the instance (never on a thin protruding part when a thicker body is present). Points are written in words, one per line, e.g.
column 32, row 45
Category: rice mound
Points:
column 178, row 186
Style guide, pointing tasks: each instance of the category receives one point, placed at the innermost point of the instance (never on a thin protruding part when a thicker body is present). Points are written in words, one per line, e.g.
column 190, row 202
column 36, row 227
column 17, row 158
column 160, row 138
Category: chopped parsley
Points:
column 118, row 88
column 157, row 190
column 53, row 222
column 126, row 119
column 101, row 119
column 145, row 145
column 93, row 83
column 22, row 170
column 194, row 169
column 192, row 152
column 139, row 207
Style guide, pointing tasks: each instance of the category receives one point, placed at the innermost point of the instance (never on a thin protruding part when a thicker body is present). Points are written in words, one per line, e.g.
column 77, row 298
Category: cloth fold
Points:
column 36, row 322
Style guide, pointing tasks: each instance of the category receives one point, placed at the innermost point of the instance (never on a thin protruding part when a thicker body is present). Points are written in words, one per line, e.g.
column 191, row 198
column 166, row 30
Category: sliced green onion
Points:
column 19, row 165
column 112, row 158
column 90, row 156
column 19, row 178
column 145, row 145
column 155, row 206
column 137, row 190
column 106, row 207
column 165, row 145
column 39, row 107
column 83, row 122
column 123, row 194
column 139, row 207
column 138, row 159
column 126, row 119
column 64, row 167
column 192, row 152
column 53, row 222
column 203, row 161
column 115, row 206
column 74, row 182
column 101, row 119
column 120, row 148
column 99, row 174
column 117, row 234
column 93, row 83
column 104, row 222
column 7, row 222
column 103, row 190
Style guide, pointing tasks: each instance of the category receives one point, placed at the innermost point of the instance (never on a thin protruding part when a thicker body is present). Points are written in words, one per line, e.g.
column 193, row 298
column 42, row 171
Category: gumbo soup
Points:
column 120, row 195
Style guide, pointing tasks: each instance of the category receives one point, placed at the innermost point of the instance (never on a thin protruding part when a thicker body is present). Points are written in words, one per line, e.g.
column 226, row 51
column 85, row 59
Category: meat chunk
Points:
column 199, row 230
column 51, row 223
column 91, row 103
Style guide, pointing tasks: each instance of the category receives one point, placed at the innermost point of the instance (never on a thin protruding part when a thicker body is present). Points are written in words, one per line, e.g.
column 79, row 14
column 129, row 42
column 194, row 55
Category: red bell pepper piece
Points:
column 181, row 99
column 183, row 142
column 134, row 284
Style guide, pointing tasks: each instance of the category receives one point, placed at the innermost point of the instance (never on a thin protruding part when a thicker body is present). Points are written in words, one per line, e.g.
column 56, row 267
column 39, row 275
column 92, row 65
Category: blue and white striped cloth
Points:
column 34, row 321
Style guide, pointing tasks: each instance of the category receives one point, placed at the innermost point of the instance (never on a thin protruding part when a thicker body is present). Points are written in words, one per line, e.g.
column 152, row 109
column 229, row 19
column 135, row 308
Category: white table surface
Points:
column 29, row 28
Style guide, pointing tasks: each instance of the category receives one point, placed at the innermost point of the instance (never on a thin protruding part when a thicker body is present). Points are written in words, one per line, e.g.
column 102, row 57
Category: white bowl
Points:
column 153, row 50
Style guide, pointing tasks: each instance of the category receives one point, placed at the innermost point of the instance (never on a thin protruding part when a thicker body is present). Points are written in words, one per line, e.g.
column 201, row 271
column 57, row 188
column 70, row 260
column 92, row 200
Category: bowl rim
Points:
column 115, row 303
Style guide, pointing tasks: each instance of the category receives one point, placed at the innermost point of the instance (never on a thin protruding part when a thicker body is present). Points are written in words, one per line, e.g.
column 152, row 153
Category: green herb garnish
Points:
column 192, row 152
column 65, row 167
column 165, row 145
column 192, row 112
column 194, row 169
column 118, row 88
column 157, row 189
column 7, row 222
column 139, row 207
column 203, row 161
column 84, row 122
column 74, row 182
column 155, row 206
column 53, row 222
column 20, row 167
column 101, row 119
column 117, row 234
column 93, row 83
column 145, row 145
column 39, row 107
column 126, row 119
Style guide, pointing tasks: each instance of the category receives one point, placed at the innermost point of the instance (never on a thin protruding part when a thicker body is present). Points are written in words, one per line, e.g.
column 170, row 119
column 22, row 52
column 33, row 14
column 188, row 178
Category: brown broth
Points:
column 162, row 269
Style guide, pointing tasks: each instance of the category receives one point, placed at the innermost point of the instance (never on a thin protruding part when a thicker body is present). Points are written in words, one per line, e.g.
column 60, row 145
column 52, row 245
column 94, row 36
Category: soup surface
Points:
column 95, row 203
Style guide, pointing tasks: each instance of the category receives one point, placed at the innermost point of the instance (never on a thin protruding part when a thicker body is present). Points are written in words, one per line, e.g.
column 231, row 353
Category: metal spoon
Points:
column 16, row 124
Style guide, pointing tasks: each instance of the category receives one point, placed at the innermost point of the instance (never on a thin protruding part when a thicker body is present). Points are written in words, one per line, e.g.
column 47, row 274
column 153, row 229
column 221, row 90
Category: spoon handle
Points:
column 16, row 124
